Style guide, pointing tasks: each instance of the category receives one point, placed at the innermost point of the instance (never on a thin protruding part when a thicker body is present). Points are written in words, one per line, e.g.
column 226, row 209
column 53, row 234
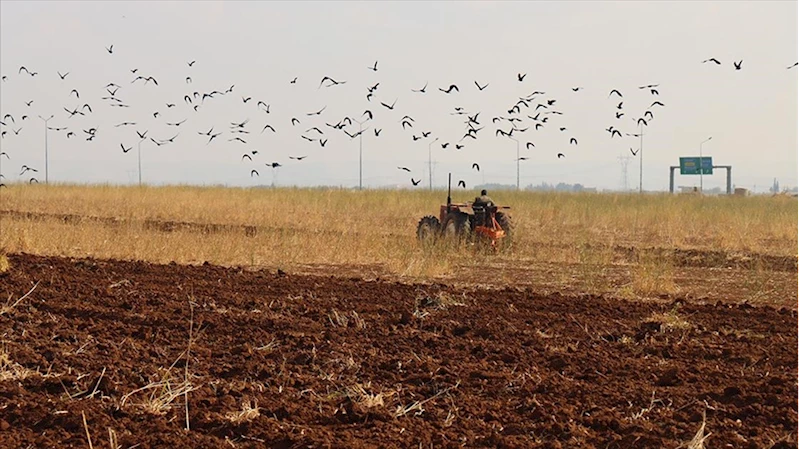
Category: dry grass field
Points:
column 625, row 244
column 613, row 321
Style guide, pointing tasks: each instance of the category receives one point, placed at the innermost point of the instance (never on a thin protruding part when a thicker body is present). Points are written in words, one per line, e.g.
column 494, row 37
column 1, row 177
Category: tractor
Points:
column 468, row 222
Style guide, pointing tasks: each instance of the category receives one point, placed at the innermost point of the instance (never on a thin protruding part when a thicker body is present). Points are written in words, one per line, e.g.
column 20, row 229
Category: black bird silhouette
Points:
column 478, row 86
column 294, row 81
column 156, row 114
column 529, row 144
column 110, row 49
column 28, row 103
column 25, row 169
column 124, row 124
column 16, row 131
column 738, row 64
column 188, row 80
column 656, row 103
column 414, row 182
column 615, row 132
column 415, row 138
column 404, row 168
column 445, row 145
column 274, row 165
column 561, row 155
column 367, row 113
column 32, row 180
column 176, row 123
column 308, row 138
column 642, row 121
column 144, row 135
column 314, row 129
column 332, row 82
column 476, row 167
column 322, row 142
column 462, row 183
column 261, row 103
column 712, row 60
column 573, row 140
column 575, row 89
column 377, row 132
column 459, row 147
column 170, row 105
column 449, row 89
column 619, row 106
column 62, row 76
column 297, row 158
column 70, row 134
column 391, row 106
column 520, row 77
column 213, row 136
column 619, row 114
column 191, row 63
column 239, row 139
column 247, row 156
column 373, row 88
column 254, row 172
column 406, row 123
column 792, row 66
column 21, row 68
column 267, row 126
column 634, row 152
column 614, row 91
column 125, row 150
column 422, row 90
column 374, row 69
column 648, row 113
column 319, row 112
column 654, row 92
column 293, row 120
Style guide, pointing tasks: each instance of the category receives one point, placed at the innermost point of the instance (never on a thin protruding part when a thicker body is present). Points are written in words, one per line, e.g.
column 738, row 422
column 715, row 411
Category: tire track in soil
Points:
column 531, row 370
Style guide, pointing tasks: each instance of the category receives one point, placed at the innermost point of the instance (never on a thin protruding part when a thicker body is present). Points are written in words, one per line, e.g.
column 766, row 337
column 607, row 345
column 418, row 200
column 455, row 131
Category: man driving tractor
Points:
column 483, row 200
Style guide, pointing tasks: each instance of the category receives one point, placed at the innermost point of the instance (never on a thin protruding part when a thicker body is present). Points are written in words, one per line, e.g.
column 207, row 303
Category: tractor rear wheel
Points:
column 428, row 228
column 507, row 225
column 457, row 225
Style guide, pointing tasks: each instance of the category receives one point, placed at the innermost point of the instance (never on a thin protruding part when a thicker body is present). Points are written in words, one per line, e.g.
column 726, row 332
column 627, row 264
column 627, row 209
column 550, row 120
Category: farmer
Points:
column 483, row 200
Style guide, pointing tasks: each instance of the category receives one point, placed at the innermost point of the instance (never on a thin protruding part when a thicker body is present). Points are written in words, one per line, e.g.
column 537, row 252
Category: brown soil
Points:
column 487, row 368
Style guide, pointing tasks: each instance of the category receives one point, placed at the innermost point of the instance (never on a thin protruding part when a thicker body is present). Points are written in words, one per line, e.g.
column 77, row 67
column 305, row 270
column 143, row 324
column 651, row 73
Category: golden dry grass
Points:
column 376, row 228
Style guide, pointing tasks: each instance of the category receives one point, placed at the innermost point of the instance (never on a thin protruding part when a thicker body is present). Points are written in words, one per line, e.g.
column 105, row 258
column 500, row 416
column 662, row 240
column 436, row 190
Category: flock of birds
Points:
column 523, row 116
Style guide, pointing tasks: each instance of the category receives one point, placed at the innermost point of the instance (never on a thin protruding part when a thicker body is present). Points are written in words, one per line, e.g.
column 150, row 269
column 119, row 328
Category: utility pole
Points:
column 625, row 161
column 517, row 160
column 430, row 161
column 641, row 161
column 360, row 152
column 701, row 167
column 139, row 157
column 46, row 164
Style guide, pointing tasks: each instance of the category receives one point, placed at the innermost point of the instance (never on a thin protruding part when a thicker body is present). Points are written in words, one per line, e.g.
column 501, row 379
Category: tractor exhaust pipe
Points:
column 449, row 192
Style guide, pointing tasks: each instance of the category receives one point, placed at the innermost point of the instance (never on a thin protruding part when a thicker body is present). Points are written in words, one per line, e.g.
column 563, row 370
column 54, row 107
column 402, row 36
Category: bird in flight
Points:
column 267, row 126
column 125, row 150
column 561, row 155
column 332, row 81
column 176, row 123
column 712, row 60
column 404, row 168
column 476, row 167
column 634, row 152
column 25, row 169
column 110, row 49
column 520, row 77
column 294, row 81
column 297, row 158
column 254, row 173
column 191, row 63
column 62, row 76
column 737, row 65
column 374, row 69
column 529, row 144
column 247, row 156
column 422, row 90
column 575, row 89
column 414, row 182
column 319, row 112
column 449, row 89
column 391, row 106
column 573, row 140
column 656, row 103
column 616, row 92
column 794, row 65
column 479, row 87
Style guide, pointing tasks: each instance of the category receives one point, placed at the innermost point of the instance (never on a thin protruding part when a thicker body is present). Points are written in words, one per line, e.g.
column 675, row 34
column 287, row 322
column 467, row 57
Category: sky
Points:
column 259, row 47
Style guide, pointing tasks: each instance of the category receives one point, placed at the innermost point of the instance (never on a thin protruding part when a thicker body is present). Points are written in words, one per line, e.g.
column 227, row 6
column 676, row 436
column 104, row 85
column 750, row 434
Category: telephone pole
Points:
column 46, row 164
column 360, row 152
column 430, row 161
column 624, row 160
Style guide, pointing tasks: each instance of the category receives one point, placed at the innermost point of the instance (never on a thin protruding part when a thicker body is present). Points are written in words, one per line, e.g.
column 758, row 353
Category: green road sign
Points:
column 690, row 166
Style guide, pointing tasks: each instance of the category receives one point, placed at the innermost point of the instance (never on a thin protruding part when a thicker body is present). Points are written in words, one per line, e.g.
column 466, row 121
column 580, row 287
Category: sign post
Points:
column 696, row 165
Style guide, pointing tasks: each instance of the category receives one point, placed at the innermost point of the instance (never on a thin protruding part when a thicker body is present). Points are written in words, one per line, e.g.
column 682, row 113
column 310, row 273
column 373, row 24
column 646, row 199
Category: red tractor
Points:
column 469, row 222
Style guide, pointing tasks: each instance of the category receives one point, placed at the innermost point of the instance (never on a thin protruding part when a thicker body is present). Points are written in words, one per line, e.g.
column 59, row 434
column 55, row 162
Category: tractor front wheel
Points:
column 428, row 229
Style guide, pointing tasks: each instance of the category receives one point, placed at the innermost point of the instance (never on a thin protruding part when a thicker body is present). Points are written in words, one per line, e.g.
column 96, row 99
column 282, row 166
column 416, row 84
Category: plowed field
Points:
column 262, row 359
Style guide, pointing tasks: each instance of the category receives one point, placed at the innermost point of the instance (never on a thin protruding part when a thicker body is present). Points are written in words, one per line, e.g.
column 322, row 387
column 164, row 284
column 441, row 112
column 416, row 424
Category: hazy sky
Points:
column 751, row 114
